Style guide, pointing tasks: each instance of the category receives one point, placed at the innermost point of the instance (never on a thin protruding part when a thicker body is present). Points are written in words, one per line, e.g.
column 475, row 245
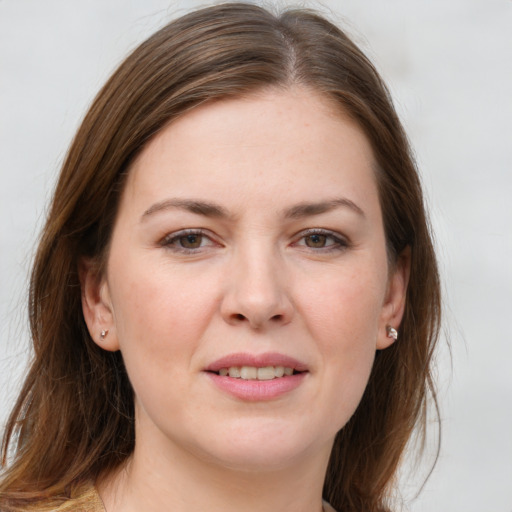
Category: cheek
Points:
column 343, row 309
column 343, row 319
column 150, row 295
column 160, row 318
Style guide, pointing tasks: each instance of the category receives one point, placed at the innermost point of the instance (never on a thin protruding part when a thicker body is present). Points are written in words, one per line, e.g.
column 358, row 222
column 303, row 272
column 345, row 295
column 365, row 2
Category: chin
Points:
column 264, row 446
column 256, row 458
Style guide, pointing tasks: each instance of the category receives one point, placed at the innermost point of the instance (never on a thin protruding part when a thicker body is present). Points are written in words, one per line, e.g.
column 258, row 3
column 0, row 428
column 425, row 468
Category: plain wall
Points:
column 449, row 67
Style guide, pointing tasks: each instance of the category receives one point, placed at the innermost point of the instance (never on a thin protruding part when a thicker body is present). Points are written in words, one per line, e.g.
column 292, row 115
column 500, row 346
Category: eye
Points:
column 316, row 241
column 321, row 239
column 188, row 241
column 191, row 241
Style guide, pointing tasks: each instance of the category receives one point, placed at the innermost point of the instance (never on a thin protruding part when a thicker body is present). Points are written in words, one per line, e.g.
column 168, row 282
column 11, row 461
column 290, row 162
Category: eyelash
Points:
column 339, row 243
column 171, row 241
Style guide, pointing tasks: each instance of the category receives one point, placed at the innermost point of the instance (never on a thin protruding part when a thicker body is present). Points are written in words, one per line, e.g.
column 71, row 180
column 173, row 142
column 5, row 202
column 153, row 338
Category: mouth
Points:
column 260, row 377
column 268, row 366
column 257, row 373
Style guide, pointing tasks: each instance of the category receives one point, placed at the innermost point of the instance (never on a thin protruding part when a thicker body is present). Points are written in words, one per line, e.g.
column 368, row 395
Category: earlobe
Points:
column 394, row 305
column 97, row 307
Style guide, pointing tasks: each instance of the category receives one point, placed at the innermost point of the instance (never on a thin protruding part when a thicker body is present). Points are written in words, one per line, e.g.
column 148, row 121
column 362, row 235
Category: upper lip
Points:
column 256, row 360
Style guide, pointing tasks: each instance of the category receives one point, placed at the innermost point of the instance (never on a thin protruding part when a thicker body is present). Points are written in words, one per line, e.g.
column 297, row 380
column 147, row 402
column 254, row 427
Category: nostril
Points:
column 277, row 318
column 239, row 316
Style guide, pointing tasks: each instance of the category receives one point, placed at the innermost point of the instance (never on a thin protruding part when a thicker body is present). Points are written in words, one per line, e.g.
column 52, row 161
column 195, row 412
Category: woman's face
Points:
column 249, row 240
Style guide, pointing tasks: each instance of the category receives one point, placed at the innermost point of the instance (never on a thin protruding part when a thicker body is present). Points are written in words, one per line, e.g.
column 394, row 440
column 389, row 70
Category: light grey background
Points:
column 449, row 66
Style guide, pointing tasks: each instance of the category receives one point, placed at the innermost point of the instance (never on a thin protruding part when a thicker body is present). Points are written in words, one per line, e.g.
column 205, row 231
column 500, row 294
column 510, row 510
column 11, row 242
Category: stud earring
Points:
column 103, row 334
column 392, row 332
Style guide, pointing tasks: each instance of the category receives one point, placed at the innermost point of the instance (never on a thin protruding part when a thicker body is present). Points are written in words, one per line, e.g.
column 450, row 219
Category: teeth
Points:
column 234, row 371
column 248, row 372
column 266, row 373
column 254, row 373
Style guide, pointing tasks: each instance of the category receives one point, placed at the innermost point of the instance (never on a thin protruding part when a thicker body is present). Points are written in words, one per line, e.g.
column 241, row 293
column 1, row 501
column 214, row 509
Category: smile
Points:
column 255, row 373
column 261, row 377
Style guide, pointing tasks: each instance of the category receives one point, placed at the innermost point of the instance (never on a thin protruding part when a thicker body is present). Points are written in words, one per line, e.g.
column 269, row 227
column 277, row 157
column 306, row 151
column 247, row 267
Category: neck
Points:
column 153, row 480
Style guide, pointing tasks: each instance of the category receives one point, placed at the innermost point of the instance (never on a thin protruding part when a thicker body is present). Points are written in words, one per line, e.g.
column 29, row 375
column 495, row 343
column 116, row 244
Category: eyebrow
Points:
column 309, row 209
column 204, row 208
column 209, row 209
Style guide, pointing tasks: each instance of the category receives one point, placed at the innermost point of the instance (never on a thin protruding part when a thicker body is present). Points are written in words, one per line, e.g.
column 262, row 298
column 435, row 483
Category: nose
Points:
column 257, row 291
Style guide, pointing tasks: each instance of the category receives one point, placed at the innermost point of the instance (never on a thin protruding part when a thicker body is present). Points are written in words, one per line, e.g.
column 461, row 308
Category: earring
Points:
column 392, row 332
column 103, row 334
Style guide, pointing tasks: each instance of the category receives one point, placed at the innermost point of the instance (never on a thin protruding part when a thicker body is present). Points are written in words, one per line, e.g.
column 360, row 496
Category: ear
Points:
column 394, row 303
column 97, row 306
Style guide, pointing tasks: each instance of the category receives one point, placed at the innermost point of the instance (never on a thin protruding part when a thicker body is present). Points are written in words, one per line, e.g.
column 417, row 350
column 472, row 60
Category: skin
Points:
column 252, row 280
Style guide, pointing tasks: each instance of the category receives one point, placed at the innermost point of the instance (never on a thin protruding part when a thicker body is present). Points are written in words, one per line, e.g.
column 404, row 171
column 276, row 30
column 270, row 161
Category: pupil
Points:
column 191, row 241
column 316, row 240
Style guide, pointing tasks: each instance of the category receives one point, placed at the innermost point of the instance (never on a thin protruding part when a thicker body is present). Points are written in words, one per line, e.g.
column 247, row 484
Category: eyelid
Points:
column 341, row 241
column 167, row 240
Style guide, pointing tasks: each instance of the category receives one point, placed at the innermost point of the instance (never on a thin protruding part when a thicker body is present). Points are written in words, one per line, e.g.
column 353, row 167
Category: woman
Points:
column 236, row 238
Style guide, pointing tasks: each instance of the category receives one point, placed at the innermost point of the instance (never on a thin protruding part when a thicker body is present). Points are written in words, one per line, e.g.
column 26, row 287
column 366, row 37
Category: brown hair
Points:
column 74, row 417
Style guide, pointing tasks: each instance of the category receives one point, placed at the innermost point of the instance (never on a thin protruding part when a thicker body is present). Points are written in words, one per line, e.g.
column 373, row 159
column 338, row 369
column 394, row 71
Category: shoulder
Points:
column 85, row 499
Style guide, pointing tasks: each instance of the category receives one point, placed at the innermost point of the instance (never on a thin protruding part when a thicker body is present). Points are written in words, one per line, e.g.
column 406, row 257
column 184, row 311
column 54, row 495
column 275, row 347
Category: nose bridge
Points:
column 256, row 292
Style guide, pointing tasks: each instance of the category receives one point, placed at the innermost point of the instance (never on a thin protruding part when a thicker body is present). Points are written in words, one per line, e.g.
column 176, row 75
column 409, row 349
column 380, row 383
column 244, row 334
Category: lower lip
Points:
column 257, row 390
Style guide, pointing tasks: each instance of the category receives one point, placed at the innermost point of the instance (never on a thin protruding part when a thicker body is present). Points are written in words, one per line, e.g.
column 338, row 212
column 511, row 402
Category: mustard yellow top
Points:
column 88, row 500
column 85, row 499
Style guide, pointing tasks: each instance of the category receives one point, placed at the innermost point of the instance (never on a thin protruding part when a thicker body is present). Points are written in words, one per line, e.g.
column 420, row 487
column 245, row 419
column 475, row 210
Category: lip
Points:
column 257, row 390
column 258, row 360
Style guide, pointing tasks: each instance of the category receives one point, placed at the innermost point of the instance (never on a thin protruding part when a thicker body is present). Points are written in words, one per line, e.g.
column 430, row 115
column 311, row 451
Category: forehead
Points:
column 288, row 144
